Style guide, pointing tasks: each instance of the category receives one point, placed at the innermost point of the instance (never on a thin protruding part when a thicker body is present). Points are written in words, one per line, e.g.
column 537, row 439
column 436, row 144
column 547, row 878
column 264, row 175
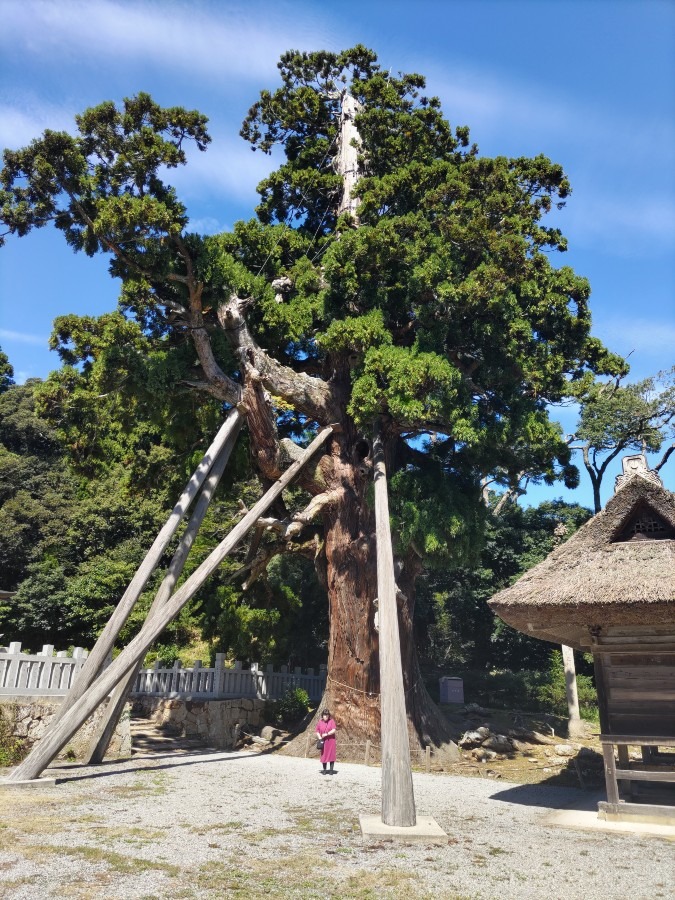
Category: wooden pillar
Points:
column 574, row 724
column 58, row 736
column 610, row 773
column 398, row 801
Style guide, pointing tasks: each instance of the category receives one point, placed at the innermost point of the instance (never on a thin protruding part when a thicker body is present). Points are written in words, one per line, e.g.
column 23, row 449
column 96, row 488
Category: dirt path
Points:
column 245, row 825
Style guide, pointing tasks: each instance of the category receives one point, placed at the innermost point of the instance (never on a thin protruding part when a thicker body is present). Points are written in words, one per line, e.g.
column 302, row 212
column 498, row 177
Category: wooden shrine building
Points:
column 610, row 590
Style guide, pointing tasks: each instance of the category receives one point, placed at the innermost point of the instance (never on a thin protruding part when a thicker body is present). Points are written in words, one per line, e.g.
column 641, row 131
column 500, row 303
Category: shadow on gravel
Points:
column 550, row 797
column 192, row 760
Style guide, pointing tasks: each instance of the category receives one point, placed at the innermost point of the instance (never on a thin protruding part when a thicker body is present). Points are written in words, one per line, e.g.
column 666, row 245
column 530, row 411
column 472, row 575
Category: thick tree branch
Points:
column 257, row 566
column 225, row 388
column 310, row 396
column 512, row 493
column 664, row 459
column 290, row 528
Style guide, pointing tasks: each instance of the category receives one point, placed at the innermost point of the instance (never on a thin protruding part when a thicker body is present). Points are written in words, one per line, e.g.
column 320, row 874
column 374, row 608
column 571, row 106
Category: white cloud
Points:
column 21, row 337
column 189, row 38
column 632, row 226
column 18, row 126
column 645, row 337
column 207, row 225
column 493, row 104
column 227, row 168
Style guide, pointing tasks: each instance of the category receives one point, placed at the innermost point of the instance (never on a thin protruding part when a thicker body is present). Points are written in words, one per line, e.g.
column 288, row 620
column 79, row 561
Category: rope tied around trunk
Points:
column 351, row 688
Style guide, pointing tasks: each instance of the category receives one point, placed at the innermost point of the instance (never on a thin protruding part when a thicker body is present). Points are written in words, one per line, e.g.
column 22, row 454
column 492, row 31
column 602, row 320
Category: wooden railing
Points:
column 220, row 682
column 47, row 675
column 41, row 674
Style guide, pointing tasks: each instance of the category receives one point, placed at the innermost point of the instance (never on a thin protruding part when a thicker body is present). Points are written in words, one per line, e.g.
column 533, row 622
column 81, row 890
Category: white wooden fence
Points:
column 38, row 675
column 45, row 675
column 218, row 682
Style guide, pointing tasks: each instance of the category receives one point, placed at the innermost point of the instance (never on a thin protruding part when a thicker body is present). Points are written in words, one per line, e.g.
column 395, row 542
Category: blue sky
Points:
column 589, row 83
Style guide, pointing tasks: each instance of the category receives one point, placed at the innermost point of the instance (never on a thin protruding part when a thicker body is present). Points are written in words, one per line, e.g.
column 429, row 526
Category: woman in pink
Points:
column 325, row 731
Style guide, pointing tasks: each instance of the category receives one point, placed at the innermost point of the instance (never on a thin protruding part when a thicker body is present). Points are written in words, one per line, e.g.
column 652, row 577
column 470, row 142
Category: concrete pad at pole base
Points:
column 30, row 783
column 426, row 831
column 588, row 820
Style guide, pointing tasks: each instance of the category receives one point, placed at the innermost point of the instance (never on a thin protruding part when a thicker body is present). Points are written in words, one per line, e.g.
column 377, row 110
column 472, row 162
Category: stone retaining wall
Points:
column 216, row 722
column 30, row 716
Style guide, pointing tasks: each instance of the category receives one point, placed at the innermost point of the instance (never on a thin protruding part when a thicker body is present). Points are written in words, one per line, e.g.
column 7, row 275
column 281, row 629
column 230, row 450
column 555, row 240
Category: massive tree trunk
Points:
column 353, row 684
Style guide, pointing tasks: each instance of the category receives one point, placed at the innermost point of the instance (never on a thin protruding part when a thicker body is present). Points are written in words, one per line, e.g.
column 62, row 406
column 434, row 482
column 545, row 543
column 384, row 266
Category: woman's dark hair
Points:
column 326, row 712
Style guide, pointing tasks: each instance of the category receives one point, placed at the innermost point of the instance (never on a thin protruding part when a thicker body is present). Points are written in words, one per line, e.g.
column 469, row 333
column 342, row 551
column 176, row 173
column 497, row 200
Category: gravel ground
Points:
column 245, row 825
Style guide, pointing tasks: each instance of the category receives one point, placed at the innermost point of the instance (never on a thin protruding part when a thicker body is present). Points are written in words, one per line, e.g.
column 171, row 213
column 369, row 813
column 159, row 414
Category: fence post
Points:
column 79, row 656
column 15, row 652
column 65, row 671
column 196, row 675
column 256, row 679
column 154, row 680
column 367, row 757
column 427, row 753
column 219, row 676
column 175, row 677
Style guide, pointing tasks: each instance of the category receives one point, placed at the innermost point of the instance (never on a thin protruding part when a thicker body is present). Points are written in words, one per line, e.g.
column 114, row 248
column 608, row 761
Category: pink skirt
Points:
column 328, row 752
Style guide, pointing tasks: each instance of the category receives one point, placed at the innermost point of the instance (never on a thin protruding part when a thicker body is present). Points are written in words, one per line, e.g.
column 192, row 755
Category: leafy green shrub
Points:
column 553, row 695
column 526, row 690
column 290, row 708
column 12, row 749
column 502, row 688
column 165, row 654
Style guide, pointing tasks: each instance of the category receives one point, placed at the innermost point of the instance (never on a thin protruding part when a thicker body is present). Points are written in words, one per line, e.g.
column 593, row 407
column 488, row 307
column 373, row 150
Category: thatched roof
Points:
column 613, row 571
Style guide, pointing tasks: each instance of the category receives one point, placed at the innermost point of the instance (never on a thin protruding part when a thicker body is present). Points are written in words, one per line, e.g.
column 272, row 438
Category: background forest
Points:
column 81, row 501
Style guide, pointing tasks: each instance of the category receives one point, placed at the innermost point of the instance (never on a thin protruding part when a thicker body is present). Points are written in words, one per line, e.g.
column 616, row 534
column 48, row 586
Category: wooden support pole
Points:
column 427, row 758
column 398, row 801
column 108, row 636
column 610, row 773
column 106, row 727
column 574, row 724
column 57, row 737
column 367, row 756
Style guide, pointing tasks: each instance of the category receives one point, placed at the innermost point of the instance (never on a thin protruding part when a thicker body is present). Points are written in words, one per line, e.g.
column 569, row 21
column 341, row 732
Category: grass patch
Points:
column 157, row 787
column 302, row 877
column 329, row 821
column 118, row 862
column 12, row 749
column 217, row 828
column 131, row 834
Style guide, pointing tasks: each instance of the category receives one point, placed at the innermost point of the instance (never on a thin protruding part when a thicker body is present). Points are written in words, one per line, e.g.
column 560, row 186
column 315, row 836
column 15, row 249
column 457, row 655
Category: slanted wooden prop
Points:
column 89, row 692
column 108, row 722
